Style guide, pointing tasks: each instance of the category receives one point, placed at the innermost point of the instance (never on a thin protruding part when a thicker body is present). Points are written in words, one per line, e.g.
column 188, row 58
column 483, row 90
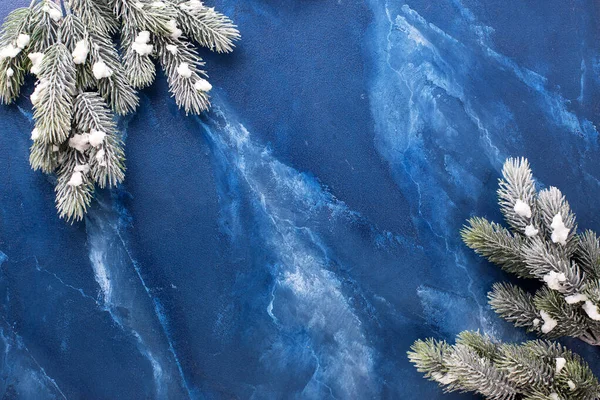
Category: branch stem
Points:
column 590, row 339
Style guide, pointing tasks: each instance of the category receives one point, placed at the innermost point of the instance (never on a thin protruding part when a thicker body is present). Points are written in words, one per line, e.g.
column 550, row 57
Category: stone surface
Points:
column 295, row 241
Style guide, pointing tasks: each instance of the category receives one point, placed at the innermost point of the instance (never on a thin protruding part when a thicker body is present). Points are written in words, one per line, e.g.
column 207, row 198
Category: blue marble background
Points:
column 295, row 241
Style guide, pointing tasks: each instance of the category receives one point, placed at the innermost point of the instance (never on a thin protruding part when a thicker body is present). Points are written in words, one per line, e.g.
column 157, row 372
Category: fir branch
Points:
column 546, row 349
column 141, row 17
column 515, row 305
column 43, row 156
column 15, row 24
column 517, row 185
column 429, row 358
column 140, row 70
column 550, row 203
column 46, row 21
column 571, row 321
column 106, row 160
column 478, row 374
column 72, row 33
column 542, row 243
column 174, row 60
column 73, row 200
column 53, row 98
column 592, row 290
column 576, row 380
column 207, row 27
column 543, row 258
column 483, row 345
column 532, row 370
column 12, row 66
column 497, row 244
column 116, row 89
column 96, row 14
column 575, row 371
column 535, row 395
column 75, row 56
column 12, row 77
column 528, row 370
column 588, row 253
column 144, row 15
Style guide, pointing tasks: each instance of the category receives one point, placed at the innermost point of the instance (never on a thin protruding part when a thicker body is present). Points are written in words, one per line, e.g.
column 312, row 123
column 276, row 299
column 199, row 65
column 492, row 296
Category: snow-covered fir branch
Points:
column 534, row 370
column 89, row 57
column 542, row 243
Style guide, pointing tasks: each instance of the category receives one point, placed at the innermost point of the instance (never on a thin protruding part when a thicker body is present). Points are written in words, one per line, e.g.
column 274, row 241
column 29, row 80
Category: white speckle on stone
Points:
column 80, row 52
column 101, row 70
column 184, row 70
column 530, row 231
column 591, row 310
column 203, row 85
column 576, row 298
column 522, row 209
column 560, row 233
column 549, row 322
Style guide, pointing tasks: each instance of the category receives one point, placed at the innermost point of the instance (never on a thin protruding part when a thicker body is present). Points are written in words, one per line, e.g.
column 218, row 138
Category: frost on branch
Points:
column 101, row 70
column 80, row 52
column 536, row 369
column 542, row 243
column 83, row 78
column 141, row 45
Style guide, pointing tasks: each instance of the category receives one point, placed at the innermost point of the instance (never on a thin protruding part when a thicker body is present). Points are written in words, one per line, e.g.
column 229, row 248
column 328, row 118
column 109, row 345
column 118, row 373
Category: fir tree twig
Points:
column 83, row 78
column 536, row 369
column 543, row 244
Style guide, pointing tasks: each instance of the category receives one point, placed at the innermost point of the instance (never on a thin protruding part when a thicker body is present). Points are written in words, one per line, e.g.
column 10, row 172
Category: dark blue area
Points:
column 293, row 242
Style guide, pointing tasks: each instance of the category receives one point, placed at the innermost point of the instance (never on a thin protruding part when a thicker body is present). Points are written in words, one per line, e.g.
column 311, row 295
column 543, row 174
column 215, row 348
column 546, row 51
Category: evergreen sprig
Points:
column 207, row 27
column 536, row 369
column 53, row 96
column 106, row 161
column 542, row 243
column 83, row 78
column 12, row 69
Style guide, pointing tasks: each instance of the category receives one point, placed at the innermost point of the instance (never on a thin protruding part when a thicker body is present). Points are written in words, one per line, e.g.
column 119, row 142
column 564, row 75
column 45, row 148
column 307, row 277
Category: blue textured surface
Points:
column 295, row 241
